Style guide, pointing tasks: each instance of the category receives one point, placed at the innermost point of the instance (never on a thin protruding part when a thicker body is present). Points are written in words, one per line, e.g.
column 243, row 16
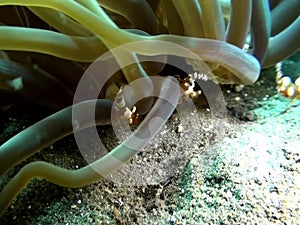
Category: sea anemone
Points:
column 233, row 40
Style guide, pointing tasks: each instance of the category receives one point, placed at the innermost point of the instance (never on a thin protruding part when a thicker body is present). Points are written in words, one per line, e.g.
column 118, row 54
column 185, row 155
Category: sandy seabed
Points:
column 249, row 174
